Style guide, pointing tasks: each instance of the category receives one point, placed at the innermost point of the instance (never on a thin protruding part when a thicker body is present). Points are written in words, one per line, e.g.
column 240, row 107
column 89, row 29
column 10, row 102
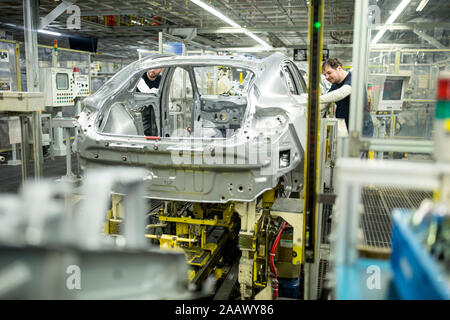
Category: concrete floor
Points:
column 11, row 176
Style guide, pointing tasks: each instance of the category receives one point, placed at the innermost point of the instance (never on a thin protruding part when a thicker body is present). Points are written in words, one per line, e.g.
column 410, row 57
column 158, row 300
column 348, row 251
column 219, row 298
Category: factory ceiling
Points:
column 122, row 27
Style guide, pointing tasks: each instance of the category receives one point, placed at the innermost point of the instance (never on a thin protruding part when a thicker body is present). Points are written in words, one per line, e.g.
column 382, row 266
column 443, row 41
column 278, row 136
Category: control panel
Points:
column 81, row 88
column 58, row 86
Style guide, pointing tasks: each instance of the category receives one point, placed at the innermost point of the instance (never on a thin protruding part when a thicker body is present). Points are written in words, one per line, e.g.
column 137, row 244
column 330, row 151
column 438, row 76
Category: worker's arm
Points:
column 335, row 95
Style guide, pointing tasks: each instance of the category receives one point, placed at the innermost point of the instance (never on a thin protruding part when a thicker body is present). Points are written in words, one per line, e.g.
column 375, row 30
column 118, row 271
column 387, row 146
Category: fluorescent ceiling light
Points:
column 229, row 21
column 256, row 38
column 422, row 5
column 216, row 13
column 392, row 19
column 146, row 50
column 57, row 34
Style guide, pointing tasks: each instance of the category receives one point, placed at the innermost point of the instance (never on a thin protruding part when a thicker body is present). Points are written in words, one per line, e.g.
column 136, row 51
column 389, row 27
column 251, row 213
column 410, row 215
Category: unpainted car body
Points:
column 210, row 146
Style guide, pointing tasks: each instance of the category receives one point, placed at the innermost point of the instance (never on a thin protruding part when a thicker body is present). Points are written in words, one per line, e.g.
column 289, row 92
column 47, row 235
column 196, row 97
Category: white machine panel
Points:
column 81, row 88
column 58, row 86
column 392, row 91
column 21, row 101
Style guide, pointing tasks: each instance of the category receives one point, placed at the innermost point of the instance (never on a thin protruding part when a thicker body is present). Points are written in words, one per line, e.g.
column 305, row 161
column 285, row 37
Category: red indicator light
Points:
column 443, row 90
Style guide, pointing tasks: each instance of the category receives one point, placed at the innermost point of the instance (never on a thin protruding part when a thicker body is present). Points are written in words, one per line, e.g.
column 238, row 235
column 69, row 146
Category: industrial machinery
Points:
column 215, row 238
column 386, row 95
column 391, row 92
column 220, row 165
column 52, row 247
column 58, row 86
column 81, row 84
column 417, row 267
column 61, row 86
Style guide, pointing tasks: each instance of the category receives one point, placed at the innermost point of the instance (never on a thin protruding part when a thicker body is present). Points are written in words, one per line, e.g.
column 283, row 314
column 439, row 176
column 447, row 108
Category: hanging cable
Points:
column 272, row 264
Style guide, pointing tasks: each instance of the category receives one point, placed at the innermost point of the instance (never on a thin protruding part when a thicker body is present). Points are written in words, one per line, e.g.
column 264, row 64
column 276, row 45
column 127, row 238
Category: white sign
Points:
column 4, row 56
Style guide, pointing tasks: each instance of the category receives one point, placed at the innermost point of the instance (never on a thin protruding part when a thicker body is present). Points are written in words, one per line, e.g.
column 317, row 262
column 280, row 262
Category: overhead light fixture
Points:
column 256, row 38
column 421, row 5
column 392, row 19
column 57, row 34
column 229, row 21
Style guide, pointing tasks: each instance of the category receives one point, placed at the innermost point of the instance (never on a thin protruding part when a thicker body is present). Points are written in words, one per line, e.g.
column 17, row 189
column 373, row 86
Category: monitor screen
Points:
column 62, row 81
column 392, row 89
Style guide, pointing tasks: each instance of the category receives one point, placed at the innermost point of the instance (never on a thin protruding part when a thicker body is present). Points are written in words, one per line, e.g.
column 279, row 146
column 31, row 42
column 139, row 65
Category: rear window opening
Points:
column 207, row 101
column 190, row 101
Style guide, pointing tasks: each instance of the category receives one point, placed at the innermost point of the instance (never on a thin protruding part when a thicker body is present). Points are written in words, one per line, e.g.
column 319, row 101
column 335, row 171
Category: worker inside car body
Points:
column 150, row 80
column 149, row 83
column 339, row 93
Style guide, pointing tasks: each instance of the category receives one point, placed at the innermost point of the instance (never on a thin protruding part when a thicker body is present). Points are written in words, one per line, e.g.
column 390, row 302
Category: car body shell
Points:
column 267, row 149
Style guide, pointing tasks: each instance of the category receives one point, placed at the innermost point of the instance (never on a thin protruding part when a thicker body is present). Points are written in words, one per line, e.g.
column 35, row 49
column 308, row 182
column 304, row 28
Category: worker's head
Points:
column 332, row 70
column 153, row 73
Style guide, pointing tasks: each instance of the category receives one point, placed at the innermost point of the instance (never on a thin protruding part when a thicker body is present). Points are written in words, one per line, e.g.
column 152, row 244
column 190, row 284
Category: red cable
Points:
column 272, row 265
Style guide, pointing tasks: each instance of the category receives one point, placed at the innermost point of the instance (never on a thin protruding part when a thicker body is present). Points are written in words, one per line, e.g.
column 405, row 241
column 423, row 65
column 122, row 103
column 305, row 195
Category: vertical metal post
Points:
column 359, row 57
column 315, row 29
column 30, row 18
column 19, row 80
column 89, row 74
column 397, row 61
column 37, row 144
column 69, row 173
column 134, row 206
column 25, row 147
column 160, row 42
column 14, row 161
column 345, row 246
column 58, row 146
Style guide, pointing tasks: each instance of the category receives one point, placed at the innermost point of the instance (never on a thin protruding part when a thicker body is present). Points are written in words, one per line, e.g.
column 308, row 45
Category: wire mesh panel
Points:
column 378, row 204
column 322, row 283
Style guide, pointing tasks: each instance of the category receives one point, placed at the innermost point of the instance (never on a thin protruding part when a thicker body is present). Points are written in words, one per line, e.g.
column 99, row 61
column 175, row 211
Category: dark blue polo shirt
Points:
column 343, row 106
column 151, row 84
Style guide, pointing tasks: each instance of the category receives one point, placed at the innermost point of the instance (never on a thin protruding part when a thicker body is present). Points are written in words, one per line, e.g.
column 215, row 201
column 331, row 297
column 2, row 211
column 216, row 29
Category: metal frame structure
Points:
column 356, row 143
column 124, row 26
column 351, row 175
column 310, row 217
column 30, row 29
column 46, row 233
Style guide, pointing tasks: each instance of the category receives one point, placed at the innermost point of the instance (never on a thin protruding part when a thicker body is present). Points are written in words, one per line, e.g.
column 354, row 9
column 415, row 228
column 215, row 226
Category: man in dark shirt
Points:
column 149, row 80
column 340, row 91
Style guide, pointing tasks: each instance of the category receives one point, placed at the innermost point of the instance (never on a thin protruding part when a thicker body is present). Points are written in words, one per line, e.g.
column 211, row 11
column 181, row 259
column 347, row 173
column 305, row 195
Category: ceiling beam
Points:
column 422, row 34
column 274, row 39
column 378, row 45
column 263, row 29
column 411, row 26
column 327, row 28
column 55, row 13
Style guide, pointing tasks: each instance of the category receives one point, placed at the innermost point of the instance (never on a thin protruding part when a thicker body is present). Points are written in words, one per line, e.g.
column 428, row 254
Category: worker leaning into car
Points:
column 149, row 80
column 340, row 91
column 149, row 83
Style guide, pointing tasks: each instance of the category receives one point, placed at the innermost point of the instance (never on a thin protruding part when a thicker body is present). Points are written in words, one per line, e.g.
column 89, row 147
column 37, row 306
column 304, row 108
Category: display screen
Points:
column 62, row 81
column 392, row 89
